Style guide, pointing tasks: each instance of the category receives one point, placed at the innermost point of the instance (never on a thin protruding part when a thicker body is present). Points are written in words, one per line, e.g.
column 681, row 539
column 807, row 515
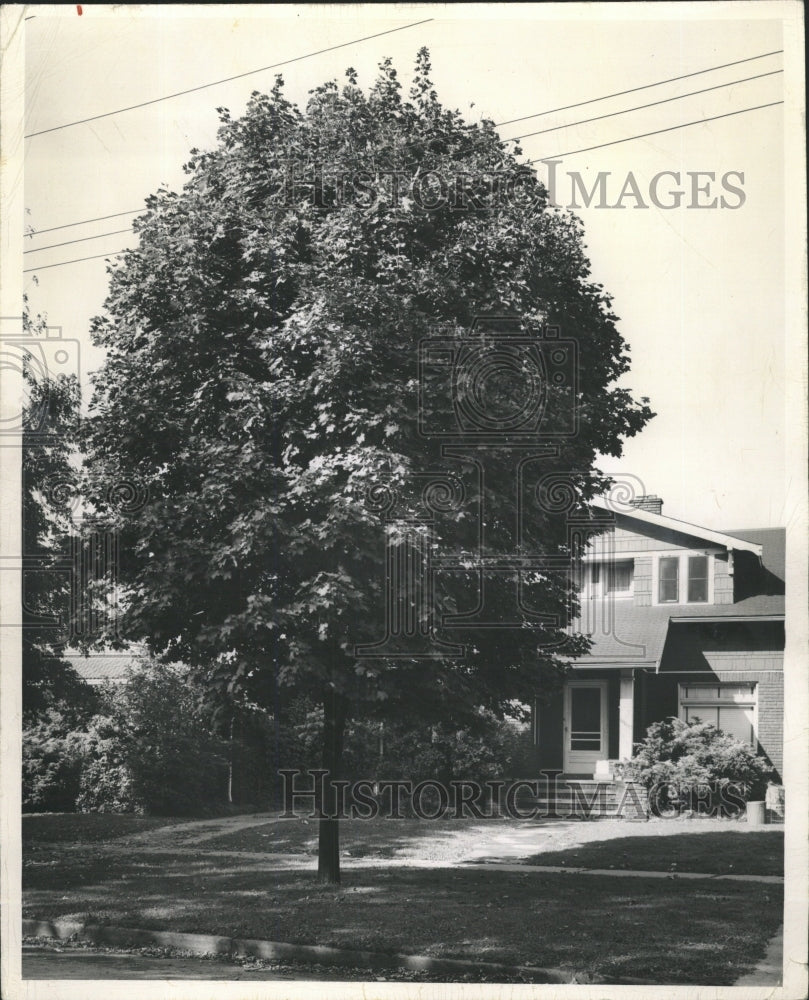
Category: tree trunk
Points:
column 328, row 852
column 230, row 765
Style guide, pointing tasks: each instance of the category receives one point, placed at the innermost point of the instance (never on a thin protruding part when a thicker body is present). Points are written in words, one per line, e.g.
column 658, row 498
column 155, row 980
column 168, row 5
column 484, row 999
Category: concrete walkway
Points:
column 770, row 970
column 620, row 872
column 272, row 860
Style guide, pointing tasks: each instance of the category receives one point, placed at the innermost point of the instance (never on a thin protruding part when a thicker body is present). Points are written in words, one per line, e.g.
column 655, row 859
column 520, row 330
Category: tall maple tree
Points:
column 261, row 383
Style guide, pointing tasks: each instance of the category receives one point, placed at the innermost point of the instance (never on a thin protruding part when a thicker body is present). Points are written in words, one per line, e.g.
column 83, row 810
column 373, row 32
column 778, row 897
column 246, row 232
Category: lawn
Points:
column 84, row 828
column 663, row 931
column 728, row 853
column 665, row 845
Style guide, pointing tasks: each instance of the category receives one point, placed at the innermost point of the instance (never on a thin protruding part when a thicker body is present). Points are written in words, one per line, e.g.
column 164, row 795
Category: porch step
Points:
column 588, row 798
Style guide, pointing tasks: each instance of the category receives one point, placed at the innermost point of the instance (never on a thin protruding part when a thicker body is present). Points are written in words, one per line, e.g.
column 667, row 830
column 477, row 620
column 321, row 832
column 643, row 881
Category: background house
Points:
column 96, row 668
column 684, row 621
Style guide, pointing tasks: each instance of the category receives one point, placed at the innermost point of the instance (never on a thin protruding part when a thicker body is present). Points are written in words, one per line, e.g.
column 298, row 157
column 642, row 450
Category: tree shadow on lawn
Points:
column 666, row 931
column 728, row 852
column 360, row 838
column 76, row 828
column 657, row 846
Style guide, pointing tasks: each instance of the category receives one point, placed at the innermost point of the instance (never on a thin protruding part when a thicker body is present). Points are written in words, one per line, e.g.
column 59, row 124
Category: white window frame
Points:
column 682, row 576
column 700, row 700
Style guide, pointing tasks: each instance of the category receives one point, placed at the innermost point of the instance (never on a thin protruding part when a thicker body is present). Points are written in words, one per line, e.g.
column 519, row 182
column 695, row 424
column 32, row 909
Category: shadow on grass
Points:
column 727, row 852
column 664, row 931
column 76, row 828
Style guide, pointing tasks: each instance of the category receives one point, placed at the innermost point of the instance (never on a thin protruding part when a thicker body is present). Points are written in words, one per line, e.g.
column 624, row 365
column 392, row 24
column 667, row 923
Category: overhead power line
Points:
column 660, row 131
column 593, row 100
column 640, row 107
column 228, row 79
column 83, row 239
column 84, row 222
column 645, row 86
column 615, row 142
column 78, row 260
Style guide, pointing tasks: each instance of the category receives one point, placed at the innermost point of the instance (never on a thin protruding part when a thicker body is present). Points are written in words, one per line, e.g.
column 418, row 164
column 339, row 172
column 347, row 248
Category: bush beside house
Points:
column 696, row 766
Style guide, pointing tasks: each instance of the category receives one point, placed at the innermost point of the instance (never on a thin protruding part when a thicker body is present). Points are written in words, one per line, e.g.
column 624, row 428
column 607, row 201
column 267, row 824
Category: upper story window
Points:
column 613, row 578
column 684, row 579
column 668, row 587
column 697, row 579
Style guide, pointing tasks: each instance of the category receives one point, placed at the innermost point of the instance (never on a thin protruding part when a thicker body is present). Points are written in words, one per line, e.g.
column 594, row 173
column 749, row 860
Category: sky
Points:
column 699, row 290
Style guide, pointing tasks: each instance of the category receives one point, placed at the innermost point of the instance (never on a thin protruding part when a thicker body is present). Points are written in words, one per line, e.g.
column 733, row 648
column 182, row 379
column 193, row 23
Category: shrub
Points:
column 153, row 751
column 150, row 749
column 677, row 761
column 52, row 762
column 106, row 783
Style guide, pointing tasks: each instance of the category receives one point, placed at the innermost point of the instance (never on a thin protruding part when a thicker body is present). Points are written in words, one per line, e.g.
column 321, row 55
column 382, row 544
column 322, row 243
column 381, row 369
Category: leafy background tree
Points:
column 148, row 748
column 261, row 383
column 50, row 488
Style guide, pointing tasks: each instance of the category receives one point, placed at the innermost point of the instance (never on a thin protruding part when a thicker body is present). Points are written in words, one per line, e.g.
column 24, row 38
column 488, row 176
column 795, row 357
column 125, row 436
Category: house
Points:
column 96, row 669
column 685, row 621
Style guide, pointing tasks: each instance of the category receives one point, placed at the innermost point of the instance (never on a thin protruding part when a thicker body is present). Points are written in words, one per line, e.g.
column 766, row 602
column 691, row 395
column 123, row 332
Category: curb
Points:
column 507, row 866
column 212, row 944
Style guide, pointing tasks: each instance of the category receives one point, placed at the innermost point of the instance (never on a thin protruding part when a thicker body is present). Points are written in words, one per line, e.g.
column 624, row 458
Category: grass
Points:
column 86, row 828
column 664, row 931
column 380, row 838
column 726, row 853
column 692, row 847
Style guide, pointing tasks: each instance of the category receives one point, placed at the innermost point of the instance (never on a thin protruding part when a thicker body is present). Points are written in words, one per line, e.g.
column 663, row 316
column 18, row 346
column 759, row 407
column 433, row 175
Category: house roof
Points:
column 627, row 635
column 622, row 634
column 99, row 667
column 773, row 543
column 723, row 538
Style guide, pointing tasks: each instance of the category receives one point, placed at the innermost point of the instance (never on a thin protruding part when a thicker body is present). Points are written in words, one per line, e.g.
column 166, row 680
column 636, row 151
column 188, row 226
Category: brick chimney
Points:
column 652, row 503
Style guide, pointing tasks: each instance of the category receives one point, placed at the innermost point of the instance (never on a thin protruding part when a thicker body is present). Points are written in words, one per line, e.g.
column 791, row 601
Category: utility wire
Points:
column 593, row 100
column 660, row 131
column 653, row 104
column 84, row 222
column 616, row 142
column 645, row 86
column 78, row 260
column 528, row 135
column 228, row 79
column 83, row 239
column 585, row 121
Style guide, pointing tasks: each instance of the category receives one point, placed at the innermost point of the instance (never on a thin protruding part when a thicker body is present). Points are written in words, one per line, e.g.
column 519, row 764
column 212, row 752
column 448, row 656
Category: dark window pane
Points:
column 668, row 589
column 620, row 576
column 580, row 743
column 585, row 705
column 698, row 578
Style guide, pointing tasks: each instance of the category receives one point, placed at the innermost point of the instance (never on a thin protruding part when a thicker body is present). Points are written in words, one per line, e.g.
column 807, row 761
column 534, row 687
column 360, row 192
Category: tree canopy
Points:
column 261, row 386
column 49, row 491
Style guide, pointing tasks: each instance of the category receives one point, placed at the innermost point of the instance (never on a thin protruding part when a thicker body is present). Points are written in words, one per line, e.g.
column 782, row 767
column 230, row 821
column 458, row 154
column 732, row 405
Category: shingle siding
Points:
column 643, row 582
column 722, row 580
